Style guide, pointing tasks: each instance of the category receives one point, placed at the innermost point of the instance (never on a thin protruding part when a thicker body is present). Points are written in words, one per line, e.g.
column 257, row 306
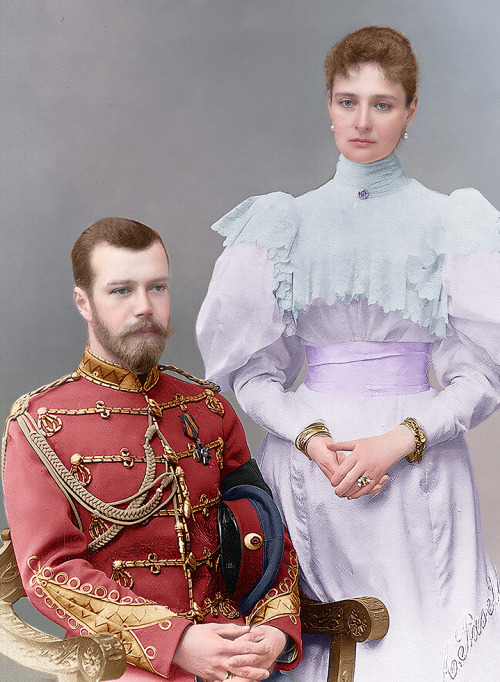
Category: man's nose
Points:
column 143, row 306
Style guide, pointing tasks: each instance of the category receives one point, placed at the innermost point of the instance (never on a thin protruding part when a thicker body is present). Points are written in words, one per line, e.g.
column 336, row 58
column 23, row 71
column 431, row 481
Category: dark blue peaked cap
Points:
column 252, row 585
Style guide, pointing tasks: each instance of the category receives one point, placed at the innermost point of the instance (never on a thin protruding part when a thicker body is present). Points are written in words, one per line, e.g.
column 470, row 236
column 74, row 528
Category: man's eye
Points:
column 347, row 103
column 120, row 291
column 160, row 287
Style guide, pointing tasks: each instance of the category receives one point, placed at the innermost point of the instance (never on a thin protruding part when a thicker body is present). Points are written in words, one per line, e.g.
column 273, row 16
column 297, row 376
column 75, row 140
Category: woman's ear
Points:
column 329, row 95
column 82, row 302
column 412, row 109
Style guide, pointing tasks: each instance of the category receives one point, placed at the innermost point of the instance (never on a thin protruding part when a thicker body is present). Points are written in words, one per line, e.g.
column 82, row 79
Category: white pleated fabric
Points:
column 417, row 545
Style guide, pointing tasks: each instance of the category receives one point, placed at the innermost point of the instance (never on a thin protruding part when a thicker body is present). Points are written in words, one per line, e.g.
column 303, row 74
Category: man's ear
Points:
column 82, row 302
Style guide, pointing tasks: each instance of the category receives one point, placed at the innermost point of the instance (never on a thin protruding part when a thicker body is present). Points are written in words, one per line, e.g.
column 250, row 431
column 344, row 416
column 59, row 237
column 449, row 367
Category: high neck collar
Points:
column 106, row 373
column 371, row 179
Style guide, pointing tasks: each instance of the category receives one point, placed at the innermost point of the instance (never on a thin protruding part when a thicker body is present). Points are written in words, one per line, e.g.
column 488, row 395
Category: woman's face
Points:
column 369, row 113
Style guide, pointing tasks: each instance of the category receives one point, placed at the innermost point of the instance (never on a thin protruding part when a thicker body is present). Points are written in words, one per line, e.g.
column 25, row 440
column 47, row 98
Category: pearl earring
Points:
column 332, row 128
column 405, row 135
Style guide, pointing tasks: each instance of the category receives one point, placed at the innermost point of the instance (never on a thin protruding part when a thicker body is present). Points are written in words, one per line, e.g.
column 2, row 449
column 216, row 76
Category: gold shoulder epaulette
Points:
column 202, row 382
column 21, row 405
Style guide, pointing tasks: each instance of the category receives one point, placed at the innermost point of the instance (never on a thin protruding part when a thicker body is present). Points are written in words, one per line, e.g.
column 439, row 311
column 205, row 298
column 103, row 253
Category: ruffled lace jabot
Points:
column 368, row 234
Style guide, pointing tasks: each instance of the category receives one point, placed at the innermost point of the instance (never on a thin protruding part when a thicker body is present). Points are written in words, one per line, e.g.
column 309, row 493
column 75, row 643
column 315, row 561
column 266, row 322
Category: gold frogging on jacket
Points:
column 121, row 575
column 281, row 601
column 80, row 468
column 94, row 609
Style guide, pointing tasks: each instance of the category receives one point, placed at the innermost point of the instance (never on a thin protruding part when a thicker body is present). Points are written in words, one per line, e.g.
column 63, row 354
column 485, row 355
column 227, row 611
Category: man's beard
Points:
column 144, row 354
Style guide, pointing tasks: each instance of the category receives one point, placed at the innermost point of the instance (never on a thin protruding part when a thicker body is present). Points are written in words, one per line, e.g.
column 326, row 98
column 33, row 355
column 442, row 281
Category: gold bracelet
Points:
column 420, row 439
column 318, row 428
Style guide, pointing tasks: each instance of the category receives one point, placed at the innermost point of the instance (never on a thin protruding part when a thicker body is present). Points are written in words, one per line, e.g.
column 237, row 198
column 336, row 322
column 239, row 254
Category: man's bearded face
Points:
column 128, row 307
column 138, row 346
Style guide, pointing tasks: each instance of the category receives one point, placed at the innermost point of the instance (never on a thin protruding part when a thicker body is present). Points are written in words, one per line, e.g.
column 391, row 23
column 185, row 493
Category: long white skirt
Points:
column 417, row 545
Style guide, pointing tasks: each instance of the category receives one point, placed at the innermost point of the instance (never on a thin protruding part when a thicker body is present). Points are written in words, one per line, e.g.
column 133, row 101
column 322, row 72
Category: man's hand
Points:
column 265, row 645
column 212, row 649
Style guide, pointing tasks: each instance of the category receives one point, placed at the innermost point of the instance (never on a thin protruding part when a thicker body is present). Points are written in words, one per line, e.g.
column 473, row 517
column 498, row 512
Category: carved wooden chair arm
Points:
column 77, row 659
column 102, row 657
column 346, row 622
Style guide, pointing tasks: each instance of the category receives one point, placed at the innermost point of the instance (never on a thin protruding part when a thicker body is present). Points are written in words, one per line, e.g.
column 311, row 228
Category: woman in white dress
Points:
column 371, row 276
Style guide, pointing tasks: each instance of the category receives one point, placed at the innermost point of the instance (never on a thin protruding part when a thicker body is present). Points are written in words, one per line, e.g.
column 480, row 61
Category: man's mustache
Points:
column 158, row 328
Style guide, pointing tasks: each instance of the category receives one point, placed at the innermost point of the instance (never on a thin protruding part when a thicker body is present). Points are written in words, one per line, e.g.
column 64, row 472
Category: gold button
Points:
column 253, row 541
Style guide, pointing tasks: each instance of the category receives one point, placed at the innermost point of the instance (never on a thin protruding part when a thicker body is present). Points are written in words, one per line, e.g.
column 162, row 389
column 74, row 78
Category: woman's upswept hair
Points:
column 389, row 48
column 119, row 232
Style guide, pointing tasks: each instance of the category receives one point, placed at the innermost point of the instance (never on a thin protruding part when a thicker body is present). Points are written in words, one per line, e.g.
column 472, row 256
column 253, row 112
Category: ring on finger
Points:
column 229, row 675
column 363, row 480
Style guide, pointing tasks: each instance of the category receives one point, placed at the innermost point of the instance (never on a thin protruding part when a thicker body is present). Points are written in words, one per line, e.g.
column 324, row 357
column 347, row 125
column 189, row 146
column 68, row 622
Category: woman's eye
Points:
column 347, row 103
column 383, row 106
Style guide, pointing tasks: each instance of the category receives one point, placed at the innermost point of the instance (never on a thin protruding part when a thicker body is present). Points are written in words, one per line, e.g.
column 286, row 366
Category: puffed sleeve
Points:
column 245, row 330
column 467, row 361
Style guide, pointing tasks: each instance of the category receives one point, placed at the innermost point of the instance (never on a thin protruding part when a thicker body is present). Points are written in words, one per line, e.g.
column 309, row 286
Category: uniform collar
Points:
column 105, row 373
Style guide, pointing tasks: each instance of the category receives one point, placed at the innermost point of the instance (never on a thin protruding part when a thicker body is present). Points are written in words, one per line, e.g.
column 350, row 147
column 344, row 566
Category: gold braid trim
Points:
column 216, row 606
column 96, row 610
column 21, row 405
column 138, row 509
column 280, row 601
column 106, row 373
column 204, row 506
column 80, row 470
column 203, row 382
column 155, row 564
column 45, row 414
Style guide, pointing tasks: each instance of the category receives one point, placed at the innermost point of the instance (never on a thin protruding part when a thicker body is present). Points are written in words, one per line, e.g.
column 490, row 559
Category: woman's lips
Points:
column 358, row 142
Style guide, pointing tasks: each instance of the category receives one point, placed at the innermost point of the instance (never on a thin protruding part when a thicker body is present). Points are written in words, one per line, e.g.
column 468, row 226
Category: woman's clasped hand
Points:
column 370, row 457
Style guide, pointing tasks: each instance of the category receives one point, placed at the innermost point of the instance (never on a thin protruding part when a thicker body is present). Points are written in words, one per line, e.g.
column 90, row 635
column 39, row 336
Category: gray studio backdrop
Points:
column 172, row 112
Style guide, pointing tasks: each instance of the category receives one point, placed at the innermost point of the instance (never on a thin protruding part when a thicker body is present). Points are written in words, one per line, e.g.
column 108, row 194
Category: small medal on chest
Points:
column 191, row 430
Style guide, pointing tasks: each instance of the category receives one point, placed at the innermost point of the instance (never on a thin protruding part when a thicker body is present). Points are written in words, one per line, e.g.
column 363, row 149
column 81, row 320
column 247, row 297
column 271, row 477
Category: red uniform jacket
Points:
column 113, row 519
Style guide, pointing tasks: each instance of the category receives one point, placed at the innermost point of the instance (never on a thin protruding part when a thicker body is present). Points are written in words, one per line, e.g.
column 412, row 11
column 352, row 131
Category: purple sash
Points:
column 368, row 368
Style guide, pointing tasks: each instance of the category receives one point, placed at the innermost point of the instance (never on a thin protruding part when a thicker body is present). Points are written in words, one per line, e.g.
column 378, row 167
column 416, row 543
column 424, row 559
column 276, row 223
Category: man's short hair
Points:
column 119, row 232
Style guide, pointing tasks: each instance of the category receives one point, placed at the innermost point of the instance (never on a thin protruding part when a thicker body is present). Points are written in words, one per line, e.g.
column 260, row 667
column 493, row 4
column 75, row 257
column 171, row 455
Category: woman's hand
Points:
column 371, row 457
column 322, row 450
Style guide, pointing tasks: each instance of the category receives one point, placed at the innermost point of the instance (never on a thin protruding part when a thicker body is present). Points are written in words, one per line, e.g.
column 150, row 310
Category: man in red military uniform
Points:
column 134, row 506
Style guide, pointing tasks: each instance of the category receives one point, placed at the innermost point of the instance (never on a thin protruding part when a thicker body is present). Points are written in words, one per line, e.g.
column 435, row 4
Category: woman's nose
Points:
column 363, row 121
